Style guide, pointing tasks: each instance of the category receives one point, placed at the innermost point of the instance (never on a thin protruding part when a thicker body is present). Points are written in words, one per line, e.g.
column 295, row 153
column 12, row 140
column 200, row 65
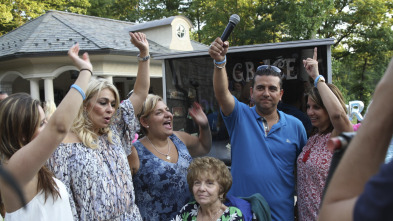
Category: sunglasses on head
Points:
column 271, row 67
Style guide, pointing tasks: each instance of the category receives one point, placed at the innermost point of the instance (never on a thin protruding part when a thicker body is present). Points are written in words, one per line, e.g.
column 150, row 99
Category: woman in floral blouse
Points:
column 327, row 112
column 209, row 180
column 92, row 159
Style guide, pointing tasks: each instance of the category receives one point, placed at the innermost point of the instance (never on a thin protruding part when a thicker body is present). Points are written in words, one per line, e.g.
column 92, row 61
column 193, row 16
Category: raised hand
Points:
column 198, row 115
column 139, row 40
column 80, row 63
column 218, row 49
column 311, row 65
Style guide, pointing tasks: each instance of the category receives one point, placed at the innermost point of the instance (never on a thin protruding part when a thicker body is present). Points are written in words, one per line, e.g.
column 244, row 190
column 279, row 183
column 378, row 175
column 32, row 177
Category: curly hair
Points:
column 82, row 125
column 212, row 168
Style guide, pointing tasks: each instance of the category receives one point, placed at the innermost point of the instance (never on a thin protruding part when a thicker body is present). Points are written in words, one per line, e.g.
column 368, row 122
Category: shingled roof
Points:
column 55, row 31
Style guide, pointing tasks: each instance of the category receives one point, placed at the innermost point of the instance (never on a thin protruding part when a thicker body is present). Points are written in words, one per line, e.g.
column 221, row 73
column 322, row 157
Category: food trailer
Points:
column 188, row 77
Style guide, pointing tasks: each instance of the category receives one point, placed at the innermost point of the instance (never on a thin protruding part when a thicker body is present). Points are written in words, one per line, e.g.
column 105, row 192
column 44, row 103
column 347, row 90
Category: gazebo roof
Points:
column 54, row 33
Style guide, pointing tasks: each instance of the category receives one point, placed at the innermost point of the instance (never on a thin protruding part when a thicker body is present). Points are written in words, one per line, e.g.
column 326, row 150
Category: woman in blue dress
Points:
column 159, row 161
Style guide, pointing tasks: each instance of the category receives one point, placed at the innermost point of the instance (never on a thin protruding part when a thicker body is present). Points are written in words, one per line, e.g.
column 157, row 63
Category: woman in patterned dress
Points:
column 327, row 112
column 92, row 159
column 28, row 139
column 159, row 161
column 209, row 180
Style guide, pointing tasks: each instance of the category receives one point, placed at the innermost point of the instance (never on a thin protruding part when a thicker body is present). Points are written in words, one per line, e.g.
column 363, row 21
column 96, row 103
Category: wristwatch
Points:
column 320, row 78
column 144, row 58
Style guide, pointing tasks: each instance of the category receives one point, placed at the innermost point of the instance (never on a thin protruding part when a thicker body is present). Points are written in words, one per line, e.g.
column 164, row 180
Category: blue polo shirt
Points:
column 265, row 164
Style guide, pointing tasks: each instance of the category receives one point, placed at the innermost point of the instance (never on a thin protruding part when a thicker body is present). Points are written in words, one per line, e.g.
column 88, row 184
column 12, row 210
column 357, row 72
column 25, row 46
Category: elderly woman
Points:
column 92, row 159
column 327, row 112
column 159, row 161
column 209, row 180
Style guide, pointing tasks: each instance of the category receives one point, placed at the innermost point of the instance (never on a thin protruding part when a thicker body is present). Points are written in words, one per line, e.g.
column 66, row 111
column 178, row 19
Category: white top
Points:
column 38, row 209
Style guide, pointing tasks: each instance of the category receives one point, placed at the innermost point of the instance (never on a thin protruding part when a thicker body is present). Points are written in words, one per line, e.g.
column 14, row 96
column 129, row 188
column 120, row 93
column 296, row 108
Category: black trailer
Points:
column 187, row 77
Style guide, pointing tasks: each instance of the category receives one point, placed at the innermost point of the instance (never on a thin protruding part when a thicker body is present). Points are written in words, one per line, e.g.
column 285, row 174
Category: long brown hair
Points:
column 316, row 97
column 19, row 120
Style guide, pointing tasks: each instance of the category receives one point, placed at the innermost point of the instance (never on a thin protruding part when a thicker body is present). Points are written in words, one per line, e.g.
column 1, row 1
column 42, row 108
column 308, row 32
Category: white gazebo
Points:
column 33, row 57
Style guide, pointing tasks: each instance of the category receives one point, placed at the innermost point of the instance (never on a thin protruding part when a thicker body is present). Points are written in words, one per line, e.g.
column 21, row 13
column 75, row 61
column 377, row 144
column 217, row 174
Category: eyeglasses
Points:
column 271, row 67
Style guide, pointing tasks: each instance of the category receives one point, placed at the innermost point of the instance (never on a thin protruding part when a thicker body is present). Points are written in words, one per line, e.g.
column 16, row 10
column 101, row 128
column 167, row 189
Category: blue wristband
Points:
column 316, row 80
column 221, row 62
column 76, row 87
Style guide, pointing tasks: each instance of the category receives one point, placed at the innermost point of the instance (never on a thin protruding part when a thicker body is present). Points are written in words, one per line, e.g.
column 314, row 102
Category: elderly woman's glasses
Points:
column 271, row 67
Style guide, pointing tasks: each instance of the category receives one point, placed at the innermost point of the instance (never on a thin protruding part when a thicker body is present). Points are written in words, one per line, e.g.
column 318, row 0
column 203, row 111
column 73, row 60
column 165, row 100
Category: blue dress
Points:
column 161, row 188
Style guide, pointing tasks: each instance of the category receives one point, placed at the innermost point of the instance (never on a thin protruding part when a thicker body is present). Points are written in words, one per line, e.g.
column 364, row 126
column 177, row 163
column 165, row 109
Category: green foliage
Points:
column 211, row 17
column 362, row 28
column 15, row 13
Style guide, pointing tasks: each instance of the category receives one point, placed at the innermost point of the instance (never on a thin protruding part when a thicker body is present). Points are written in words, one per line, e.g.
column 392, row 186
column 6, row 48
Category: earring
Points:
column 221, row 197
column 84, row 113
column 147, row 126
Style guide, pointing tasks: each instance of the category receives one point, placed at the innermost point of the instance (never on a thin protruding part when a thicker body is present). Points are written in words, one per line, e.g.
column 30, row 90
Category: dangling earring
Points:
column 84, row 113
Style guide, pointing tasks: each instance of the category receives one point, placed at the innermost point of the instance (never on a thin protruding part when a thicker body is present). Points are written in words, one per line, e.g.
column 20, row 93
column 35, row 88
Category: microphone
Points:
column 233, row 20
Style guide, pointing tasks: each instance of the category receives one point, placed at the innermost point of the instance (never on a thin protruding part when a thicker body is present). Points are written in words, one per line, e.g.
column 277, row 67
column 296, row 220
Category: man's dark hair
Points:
column 268, row 70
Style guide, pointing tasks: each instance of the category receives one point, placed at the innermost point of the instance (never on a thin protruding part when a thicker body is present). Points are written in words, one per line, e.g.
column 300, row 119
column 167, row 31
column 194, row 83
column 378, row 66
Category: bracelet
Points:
column 219, row 67
column 316, row 80
column 76, row 87
column 144, row 58
column 85, row 69
column 221, row 62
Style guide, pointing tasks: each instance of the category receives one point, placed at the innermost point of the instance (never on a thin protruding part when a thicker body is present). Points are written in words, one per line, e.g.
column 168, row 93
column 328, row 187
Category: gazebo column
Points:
column 34, row 89
column 48, row 88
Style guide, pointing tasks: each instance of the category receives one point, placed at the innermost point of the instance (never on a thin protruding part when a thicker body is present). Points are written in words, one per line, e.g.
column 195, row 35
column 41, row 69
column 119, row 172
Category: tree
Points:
column 148, row 10
column 362, row 30
column 125, row 10
column 15, row 13
column 211, row 17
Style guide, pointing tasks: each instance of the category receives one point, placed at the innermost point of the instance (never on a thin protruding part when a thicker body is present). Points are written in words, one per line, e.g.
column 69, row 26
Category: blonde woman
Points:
column 92, row 160
column 160, row 159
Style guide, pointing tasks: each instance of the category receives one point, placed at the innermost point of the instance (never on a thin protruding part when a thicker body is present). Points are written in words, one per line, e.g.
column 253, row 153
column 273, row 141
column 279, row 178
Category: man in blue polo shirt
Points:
column 265, row 142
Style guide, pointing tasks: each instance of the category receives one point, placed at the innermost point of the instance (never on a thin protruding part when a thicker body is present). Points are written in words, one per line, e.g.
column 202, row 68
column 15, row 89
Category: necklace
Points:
column 266, row 125
column 169, row 149
column 215, row 215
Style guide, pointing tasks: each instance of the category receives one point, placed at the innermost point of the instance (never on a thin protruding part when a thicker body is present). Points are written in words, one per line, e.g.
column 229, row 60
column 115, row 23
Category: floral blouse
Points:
column 313, row 166
column 99, row 181
column 161, row 188
column 189, row 212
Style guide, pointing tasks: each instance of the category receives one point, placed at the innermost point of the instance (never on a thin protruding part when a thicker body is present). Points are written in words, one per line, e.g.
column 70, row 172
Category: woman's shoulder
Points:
column 71, row 138
column 181, row 139
column 178, row 136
